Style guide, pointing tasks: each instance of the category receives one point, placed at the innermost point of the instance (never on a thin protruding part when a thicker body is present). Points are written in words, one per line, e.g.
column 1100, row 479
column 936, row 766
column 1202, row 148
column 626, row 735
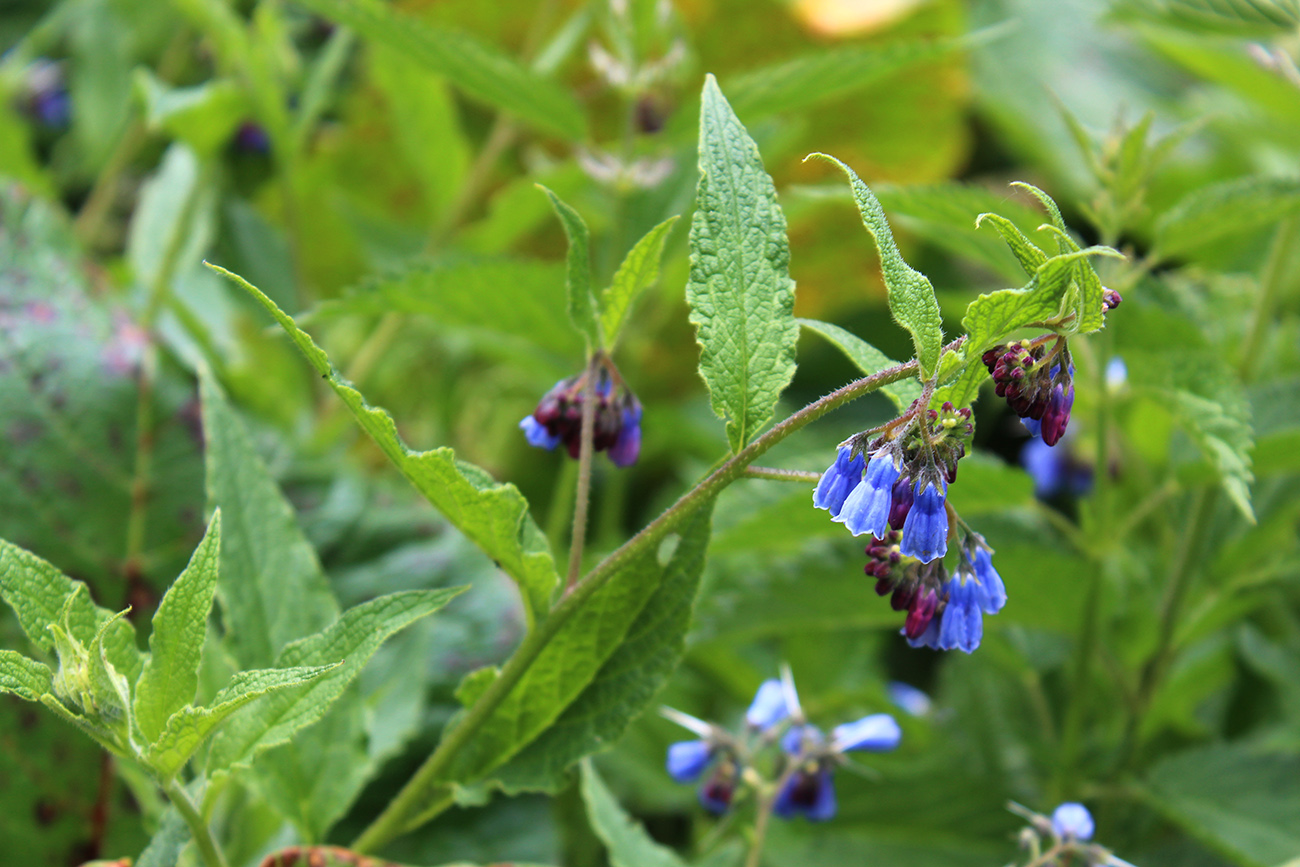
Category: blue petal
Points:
column 1034, row 426
column 823, row 809
column 995, row 592
column 768, row 707
column 627, row 448
column 929, row 638
column 866, row 510
column 688, row 759
column 1045, row 465
column 839, row 479
column 1072, row 820
column 793, row 798
column 537, row 434
column 925, row 532
column 910, row 699
column 876, row 733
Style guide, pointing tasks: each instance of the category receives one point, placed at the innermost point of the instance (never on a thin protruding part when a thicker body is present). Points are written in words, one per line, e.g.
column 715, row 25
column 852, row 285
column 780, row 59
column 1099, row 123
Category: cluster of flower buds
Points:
column 805, row 757
column 1038, row 386
column 943, row 613
column 1063, row 839
column 903, row 485
column 617, row 419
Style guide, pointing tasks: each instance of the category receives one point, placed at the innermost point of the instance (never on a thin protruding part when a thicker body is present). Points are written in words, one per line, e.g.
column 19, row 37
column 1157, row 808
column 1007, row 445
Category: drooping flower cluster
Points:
column 617, row 420
column 1064, row 838
column 801, row 779
column 1038, row 386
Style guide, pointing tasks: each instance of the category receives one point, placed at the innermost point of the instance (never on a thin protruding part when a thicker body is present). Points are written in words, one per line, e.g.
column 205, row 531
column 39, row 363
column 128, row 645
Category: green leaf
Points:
column 38, row 593
column 493, row 516
column 25, row 678
column 740, row 291
column 1225, row 209
column 628, row 843
column 170, row 679
column 629, row 679
column 480, row 70
column 581, row 302
column 639, row 271
column 1242, row 802
column 1053, row 212
column 868, row 359
column 271, row 586
column 1238, row 17
column 911, row 297
column 173, row 224
column 164, row 850
column 190, row 726
column 511, row 303
column 203, row 116
column 1026, row 251
column 347, row 644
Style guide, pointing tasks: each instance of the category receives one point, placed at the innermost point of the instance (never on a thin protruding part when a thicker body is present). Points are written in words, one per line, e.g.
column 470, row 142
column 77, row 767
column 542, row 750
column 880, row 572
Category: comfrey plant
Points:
column 786, row 762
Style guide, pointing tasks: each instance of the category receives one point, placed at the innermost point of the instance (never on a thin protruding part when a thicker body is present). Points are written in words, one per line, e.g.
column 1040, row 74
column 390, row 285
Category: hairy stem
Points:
column 582, row 497
column 411, row 802
column 202, row 834
column 779, row 475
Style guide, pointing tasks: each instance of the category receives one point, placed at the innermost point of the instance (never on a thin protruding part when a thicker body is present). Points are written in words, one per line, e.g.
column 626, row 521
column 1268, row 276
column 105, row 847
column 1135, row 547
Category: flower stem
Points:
column 409, row 808
column 202, row 834
column 779, row 475
column 761, row 822
column 582, row 498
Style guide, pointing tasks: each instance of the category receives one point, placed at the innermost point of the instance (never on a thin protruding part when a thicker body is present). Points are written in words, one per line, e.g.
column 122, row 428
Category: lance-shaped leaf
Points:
column 911, row 297
column 349, row 642
column 170, row 678
column 190, row 726
column 480, row 70
column 868, row 359
column 581, row 301
column 271, row 585
column 25, row 678
column 639, row 271
column 633, row 674
column 1221, row 210
column 740, row 291
column 627, row 841
column 493, row 516
column 38, row 593
column 1026, row 251
column 1065, row 244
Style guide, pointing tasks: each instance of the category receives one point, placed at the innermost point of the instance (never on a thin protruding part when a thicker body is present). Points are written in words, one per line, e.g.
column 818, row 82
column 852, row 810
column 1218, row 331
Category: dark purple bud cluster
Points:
column 1038, row 386
column 616, row 425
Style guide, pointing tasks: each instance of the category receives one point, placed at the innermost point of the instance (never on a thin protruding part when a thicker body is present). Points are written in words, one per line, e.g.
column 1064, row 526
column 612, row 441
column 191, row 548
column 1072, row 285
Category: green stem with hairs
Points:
column 411, row 805
column 199, row 830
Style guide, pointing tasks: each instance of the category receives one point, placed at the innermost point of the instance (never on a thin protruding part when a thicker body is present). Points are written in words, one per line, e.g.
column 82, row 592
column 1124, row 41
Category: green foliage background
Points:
column 1148, row 662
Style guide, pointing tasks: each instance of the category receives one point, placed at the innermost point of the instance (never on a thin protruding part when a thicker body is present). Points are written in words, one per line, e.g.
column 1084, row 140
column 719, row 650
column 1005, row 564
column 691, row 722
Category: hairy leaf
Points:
column 868, row 359
column 740, row 291
column 639, row 271
column 628, row 843
column 271, row 586
column 480, row 70
column 1225, row 209
column 170, row 678
column 631, row 677
column 581, row 301
column 346, row 644
column 911, row 297
column 1026, row 251
column 493, row 516
column 25, row 678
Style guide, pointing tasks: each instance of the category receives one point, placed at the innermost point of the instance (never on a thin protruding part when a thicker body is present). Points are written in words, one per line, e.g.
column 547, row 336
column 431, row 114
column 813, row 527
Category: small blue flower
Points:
column 866, row 509
column 627, row 448
column 769, row 706
column 993, row 591
column 929, row 638
column 1054, row 470
column 910, row 699
column 1072, row 820
column 809, row 793
column 800, row 739
column 925, row 532
column 688, row 759
column 1116, row 373
column 961, row 626
column 839, row 479
column 876, row 733
column 537, row 434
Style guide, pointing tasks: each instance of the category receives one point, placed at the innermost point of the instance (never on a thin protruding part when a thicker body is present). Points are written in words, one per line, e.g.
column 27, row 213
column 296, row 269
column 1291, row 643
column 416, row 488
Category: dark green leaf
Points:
column 582, row 303
column 639, row 271
column 1224, row 209
column 628, row 843
column 868, row 359
column 25, row 678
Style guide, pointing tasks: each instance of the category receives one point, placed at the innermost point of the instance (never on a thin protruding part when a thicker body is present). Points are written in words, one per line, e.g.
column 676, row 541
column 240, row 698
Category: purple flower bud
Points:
column 1057, row 415
column 807, row 793
column 768, row 707
column 688, row 759
column 876, row 733
column 1071, row 820
column 900, row 502
column 627, row 446
column 921, row 613
column 840, row 478
column 716, row 793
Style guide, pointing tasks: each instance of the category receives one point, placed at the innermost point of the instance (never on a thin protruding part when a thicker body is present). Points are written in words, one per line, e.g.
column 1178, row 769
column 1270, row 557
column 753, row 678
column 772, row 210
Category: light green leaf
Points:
column 203, row 116
column 350, row 641
column 1237, row 17
column 480, row 70
column 1026, row 251
column 868, row 359
column 911, row 297
column 1221, row 210
column 639, row 271
column 630, row 678
column 38, row 593
column 170, row 678
column 740, row 291
column 173, row 224
column 1242, row 802
column 628, row 843
column 164, row 850
column 25, row 678
column 581, row 301
column 493, row 516
column 190, row 726
column 1053, row 212
column 271, row 587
